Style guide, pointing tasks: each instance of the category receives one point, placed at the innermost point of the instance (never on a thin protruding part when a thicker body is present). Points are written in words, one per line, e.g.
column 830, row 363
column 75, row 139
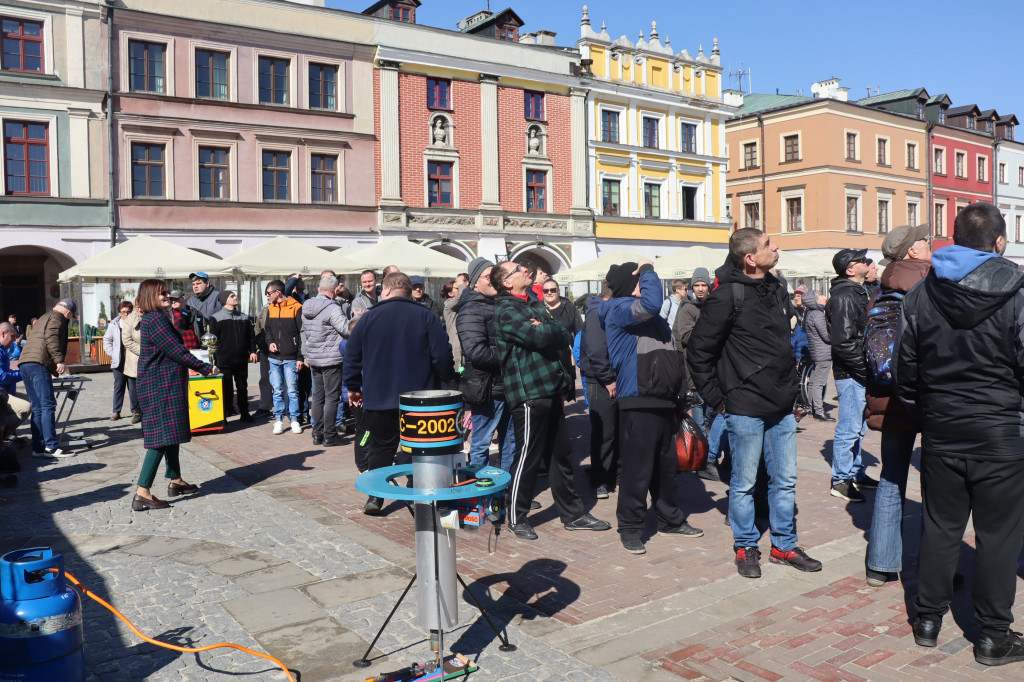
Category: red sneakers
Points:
column 796, row 558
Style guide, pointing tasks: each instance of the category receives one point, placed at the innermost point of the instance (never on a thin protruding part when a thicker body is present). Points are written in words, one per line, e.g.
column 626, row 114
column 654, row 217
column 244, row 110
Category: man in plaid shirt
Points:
column 530, row 344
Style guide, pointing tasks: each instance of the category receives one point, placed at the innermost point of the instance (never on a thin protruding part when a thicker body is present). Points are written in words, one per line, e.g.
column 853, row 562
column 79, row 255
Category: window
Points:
column 883, row 216
column 750, row 155
column 26, row 158
column 689, row 197
column 508, row 33
column 325, row 178
column 147, row 170
column 1009, row 132
column 1002, row 173
column 536, row 186
column 211, row 74
column 610, row 197
column 402, row 14
column 919, row 109
column 883, row 151
column 940, row 161
column 792, row 147
column 688, row 138
column 852, row 222
column 911, row 156
column 911, row 213
column 970, row 122
column 982, row 169
column 145, row 66
column 650, row 128
column 851, row 146
column 533, row 103
column 752, row 215
column 652, row 200
column 609, row 126
column 438, row 93
column 273, row 80
column 940, row 212
column 439, row 184
column 214, row 173
column 990, row 126
column 23, row 45
column 960, row 172
column 323, row 80
column 1017, row 234
column 1020, row 176
column 276, row 176
column 794, row 215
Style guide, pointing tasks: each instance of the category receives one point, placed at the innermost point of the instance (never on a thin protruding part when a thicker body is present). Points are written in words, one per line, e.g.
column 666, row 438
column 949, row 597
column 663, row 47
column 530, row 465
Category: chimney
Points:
column 546, row 37
column 474, row 19
column 733, row 98
column 528, row 38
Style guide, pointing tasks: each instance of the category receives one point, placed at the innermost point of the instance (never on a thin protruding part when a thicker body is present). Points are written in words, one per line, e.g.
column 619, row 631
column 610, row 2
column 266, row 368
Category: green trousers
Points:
column 152, row 463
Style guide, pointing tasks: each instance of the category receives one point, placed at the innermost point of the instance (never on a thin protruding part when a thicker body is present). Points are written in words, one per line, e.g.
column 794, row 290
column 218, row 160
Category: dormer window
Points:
column 402, row 14
column 990, row 126
column 509, row 33
column 970, row 122
column 942, row 114
column 919, row 109
column 1009, row 132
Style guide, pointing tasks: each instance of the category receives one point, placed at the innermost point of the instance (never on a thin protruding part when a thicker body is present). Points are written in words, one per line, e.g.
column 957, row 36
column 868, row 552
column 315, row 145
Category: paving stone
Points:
column 326, row 649
column 245, row 562
column 272, row 610
column 274, row 578
column 162, row 545
column 357, row 587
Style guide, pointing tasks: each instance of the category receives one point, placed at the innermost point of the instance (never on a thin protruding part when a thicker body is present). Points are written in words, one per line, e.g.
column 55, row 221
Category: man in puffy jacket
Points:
column 282, row 334
column 42, row 357
column 649, row 377
column 324, row 325
column 960, row 362
column 236, row 348
column 475, row 325
column 599, row 378
column 744, row 367
column 820, row 349
column 846, row 315
column 204, row 302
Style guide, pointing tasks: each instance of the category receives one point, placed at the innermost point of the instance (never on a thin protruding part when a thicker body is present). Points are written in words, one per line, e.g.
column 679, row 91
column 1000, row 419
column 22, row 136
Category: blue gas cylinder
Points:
column 40, row 619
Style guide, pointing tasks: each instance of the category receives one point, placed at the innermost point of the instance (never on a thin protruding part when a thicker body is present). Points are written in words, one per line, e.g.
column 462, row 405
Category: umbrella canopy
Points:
column 142, row 257
column 284, row 255
column 682, row 263
column 412, row 259
column 795, row 265
column 596, row 269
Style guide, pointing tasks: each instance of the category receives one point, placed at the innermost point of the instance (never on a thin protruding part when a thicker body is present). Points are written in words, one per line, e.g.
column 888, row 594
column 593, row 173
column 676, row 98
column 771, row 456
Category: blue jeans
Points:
column 718, row 439
column 750, row 438
column 486, row 420
column 284, row 375
column 850, row 429
column 885, row 539
column 39, row 389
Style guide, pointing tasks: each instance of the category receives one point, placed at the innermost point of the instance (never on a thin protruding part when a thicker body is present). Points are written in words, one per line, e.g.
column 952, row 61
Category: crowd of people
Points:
column 935, row 346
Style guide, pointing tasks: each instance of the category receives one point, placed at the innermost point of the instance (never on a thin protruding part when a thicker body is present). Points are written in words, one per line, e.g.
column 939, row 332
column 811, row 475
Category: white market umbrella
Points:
column 412, row 259
column 143, row 257
column 794, row 265
column 682, row 263
column 285, row 255
column 595, row 270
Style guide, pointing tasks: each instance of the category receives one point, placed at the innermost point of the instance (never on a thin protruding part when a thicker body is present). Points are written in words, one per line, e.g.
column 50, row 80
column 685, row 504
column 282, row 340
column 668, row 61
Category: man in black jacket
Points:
column 599, row 377
column 846, row 315
column 475, row 325
column 960, row 361
column 236, row 348
column 743, row 365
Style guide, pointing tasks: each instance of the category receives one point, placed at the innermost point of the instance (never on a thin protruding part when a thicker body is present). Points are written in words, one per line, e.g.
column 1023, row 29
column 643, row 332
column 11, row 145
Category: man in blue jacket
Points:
column 649, row 378
column 398, row 346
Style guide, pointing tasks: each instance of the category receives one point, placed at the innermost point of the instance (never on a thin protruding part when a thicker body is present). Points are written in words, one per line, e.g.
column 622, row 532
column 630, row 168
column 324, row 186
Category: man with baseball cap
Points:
column 43, row 357
column 204, row 301
column 846, row 316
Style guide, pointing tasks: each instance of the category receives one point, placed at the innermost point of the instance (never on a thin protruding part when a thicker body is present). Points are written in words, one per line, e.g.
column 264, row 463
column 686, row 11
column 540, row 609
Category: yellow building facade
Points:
column 655, row 142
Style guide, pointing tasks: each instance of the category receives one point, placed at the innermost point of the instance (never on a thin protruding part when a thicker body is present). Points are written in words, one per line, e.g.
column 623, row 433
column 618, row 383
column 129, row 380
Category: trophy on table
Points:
column 209, row 342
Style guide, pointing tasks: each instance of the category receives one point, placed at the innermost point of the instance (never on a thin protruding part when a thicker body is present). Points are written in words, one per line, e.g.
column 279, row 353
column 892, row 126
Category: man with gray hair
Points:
column 324, row 325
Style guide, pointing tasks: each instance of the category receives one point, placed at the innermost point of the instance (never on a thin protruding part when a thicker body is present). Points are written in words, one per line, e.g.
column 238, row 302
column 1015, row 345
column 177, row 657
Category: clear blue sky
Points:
column 971, row 51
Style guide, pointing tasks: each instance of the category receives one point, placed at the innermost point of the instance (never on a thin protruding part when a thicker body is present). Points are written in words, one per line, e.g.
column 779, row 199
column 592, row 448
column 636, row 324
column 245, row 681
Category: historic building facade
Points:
column 825, row 173
column 655, row 142
column 480, row 141
column 54, row 179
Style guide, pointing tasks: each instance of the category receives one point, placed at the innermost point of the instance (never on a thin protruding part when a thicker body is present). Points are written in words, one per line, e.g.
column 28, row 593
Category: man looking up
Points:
column 846, row 316
column 744, row 367
column 530, row 346
column 959, row 357
column 43, row 357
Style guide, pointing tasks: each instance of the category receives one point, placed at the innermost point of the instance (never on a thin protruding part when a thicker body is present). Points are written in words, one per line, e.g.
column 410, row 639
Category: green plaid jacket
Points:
column 531, row 363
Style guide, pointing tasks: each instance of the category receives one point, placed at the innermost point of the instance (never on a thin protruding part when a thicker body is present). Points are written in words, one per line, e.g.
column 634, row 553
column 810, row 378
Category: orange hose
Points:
column 184, row 649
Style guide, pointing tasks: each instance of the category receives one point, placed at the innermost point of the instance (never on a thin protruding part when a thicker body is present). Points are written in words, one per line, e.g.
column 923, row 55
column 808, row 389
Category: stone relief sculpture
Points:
column 440, row 133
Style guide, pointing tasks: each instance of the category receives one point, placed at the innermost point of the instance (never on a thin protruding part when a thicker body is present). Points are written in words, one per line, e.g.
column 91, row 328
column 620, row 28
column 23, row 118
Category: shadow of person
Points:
column 257, row 472
column 536, row 590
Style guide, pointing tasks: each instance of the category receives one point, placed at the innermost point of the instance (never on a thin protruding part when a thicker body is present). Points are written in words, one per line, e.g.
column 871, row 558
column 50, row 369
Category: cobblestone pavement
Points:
column 275, row 554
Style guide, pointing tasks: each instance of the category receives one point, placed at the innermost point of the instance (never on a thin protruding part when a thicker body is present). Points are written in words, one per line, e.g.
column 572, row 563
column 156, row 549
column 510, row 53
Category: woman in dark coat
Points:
column 162, row 385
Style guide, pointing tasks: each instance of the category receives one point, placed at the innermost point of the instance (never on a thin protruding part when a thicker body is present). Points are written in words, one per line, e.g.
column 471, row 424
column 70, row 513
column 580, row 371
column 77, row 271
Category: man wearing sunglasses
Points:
column 846, row 316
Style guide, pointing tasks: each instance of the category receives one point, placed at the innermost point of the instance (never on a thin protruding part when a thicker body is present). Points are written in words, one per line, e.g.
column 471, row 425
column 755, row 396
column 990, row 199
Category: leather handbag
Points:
column 475, row 386
column 691, row 445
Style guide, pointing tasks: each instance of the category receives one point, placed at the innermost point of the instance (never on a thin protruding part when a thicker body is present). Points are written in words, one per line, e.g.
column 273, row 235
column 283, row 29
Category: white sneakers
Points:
column 279, row 427
column 56, row 453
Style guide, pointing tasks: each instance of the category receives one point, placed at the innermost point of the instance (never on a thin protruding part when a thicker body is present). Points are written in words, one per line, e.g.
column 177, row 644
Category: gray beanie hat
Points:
column 701, row 275
column 476, row 268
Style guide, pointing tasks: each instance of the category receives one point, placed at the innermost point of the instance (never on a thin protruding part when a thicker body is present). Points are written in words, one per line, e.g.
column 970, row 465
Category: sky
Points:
column 970, row 52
